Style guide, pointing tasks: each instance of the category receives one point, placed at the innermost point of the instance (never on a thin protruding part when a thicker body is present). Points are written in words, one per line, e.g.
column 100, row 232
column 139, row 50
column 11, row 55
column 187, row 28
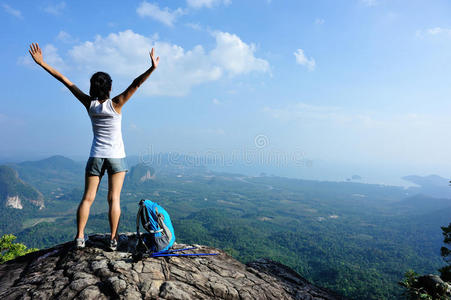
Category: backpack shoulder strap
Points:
column 140, row 216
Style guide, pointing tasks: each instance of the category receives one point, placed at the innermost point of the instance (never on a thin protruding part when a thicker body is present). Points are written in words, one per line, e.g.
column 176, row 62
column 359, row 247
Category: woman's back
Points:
column 106, row 127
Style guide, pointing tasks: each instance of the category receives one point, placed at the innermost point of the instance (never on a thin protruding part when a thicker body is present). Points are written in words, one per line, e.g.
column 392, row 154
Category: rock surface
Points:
column 14, row 202
column 434, row 286
column 62, row 272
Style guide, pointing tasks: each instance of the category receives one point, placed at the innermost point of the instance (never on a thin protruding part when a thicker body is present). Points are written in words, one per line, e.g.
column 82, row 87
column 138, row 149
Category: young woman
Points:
column 107, row 150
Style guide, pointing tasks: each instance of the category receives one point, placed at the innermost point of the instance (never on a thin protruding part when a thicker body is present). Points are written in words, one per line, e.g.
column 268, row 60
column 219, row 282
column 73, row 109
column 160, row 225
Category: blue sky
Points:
column 352, row 82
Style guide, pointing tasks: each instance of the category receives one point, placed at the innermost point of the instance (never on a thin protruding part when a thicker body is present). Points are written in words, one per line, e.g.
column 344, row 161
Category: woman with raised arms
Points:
column 107, row 150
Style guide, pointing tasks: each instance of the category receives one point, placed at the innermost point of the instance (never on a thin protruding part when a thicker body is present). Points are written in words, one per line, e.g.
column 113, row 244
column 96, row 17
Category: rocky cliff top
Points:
column 62, row 272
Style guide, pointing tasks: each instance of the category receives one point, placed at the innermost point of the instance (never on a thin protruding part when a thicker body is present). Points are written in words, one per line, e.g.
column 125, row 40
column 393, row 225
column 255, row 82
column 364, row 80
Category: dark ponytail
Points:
column 100, row 86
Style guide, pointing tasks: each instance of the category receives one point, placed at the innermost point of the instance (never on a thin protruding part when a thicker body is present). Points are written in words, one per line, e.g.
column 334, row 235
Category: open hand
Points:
column 36, row 53
column 154, row 61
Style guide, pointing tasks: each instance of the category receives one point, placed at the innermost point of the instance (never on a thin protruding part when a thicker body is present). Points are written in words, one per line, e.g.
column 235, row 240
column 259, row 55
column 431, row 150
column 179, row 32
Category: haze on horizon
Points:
column 357, row 84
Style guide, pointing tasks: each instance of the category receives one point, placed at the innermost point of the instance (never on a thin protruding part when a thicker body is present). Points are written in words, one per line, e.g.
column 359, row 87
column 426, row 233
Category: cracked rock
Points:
column 63, row 272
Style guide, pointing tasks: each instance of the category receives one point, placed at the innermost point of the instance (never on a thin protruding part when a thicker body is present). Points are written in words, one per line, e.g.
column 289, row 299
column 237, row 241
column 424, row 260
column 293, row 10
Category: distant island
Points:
column 354, row 178
column 432, row 185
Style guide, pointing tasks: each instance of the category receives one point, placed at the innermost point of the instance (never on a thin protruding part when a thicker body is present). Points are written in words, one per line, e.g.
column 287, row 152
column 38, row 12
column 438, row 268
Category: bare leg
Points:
column 91, row 187
column 115, row 182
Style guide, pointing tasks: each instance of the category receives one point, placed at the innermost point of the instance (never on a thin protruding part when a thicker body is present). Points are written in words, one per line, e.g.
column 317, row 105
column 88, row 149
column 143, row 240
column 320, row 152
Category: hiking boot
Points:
column 80, row 243
column 113, row 245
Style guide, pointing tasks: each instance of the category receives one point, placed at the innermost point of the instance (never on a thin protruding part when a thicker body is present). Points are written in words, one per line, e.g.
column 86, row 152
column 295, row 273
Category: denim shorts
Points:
column 97, row 166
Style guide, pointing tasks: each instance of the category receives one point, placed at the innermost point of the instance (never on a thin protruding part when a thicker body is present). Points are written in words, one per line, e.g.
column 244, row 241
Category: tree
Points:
column 446, row 253
column 10, row 250
column 430, row 287
column 413, row 290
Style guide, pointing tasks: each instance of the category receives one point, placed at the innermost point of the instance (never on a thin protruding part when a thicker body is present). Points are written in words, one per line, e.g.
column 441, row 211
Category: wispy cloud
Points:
column 303, row 111
column 302, row 59
column 195, row 26
column 435, row 31
column 370, row 2
column 153, row 11
column 407, row 136
column 50, row 54
column 207, row 3
column 65, row 37
column 55, row 9
column 12, row 11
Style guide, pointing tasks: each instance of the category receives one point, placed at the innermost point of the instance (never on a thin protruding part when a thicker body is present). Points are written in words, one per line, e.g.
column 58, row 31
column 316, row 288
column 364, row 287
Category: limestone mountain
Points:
column 16, row 193
column 140, row 173
column 62, row 272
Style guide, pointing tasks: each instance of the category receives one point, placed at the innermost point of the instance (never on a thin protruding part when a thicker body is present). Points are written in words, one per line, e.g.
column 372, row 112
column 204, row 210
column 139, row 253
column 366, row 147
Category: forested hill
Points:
column 355, row 239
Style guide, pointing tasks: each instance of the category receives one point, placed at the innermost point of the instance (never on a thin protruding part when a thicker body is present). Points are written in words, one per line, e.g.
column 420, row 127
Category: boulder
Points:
column 63, row 272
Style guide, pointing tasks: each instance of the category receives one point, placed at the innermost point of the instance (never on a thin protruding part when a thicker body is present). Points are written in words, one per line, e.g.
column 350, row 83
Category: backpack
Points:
column 156, row 221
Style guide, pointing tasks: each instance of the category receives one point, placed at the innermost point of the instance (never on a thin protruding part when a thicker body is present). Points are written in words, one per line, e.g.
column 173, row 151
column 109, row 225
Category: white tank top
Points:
column 106, row 127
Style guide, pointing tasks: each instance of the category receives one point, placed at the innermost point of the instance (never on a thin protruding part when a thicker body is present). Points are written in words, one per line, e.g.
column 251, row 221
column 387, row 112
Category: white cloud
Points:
column 125, row 55
column 12, row 11
column 439, row 30
column 25, row 60
column 55, row 9
column 206, row 3
column 304, row 61
column 50, row 55
column 319, row 21
column 435, row 31
column 65, row 37
column 195, row 26
column 165, row 15
column 235, row 56
column 391, row 16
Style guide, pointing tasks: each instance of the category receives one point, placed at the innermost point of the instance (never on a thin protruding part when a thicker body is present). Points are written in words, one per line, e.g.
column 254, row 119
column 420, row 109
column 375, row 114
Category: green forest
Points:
column 355, row 239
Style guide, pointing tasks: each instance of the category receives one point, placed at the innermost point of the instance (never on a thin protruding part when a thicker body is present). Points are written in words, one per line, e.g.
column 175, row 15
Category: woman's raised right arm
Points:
column 36, row 54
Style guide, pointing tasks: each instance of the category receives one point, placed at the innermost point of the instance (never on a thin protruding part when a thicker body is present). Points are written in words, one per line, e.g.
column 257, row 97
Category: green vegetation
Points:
column 10, row 250
column 355, row 239
column 417, row 288
column 11, row 185
column 446, row 254
column 34, row 221
column 409, row 283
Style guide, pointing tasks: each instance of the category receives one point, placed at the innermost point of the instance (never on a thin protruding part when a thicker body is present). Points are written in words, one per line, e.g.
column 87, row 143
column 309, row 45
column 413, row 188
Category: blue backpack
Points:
column 160, row 237
column 156, row 221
